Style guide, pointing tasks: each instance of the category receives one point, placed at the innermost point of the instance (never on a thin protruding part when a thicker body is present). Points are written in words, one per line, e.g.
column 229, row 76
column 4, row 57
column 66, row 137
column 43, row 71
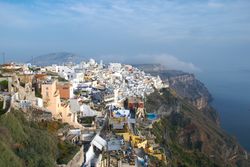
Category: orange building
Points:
column 51, row 97
column 52, row 101
column 65, row 90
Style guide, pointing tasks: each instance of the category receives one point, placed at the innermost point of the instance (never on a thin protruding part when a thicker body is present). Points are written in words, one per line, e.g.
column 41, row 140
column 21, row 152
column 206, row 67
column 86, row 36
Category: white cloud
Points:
column 169, row 61
column 83, row 9
column 216, row 5
column 172, row 62
column 13, row 16
column 158, row 21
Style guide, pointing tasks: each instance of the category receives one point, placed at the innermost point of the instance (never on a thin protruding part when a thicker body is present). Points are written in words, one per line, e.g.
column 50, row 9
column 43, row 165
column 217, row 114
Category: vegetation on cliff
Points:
column 3, row 85
column 25, row 143
column 190, row 137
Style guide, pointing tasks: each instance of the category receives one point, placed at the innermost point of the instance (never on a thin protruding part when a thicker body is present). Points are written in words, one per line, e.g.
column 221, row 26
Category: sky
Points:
column 188, row 35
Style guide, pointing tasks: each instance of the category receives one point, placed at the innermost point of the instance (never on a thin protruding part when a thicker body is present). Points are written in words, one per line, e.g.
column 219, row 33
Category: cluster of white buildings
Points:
column 83, row 84
column 124, row 80
column 75, row 91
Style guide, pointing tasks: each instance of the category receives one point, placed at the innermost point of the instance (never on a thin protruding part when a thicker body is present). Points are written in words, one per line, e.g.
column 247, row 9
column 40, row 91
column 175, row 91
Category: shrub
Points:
column 4, row 85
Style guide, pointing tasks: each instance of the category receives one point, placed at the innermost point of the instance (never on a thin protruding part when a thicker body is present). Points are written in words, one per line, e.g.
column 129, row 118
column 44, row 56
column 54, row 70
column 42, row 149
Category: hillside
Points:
column 55, row 58
column 190, row 138
column 25, row 143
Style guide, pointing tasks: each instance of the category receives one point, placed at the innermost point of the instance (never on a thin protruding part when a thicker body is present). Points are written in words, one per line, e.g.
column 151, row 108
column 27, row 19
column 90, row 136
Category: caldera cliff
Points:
column 188, row 128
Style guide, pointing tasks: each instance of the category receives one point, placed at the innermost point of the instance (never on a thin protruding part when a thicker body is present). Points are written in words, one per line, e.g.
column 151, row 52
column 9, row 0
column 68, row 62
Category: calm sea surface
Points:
column 231, row 92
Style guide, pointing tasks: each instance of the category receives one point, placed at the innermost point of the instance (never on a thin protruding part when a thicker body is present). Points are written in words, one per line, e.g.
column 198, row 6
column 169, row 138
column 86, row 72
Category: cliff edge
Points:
column 189, row 137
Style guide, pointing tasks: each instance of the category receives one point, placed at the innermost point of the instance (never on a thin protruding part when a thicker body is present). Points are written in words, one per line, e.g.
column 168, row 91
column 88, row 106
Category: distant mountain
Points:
column 55, row 58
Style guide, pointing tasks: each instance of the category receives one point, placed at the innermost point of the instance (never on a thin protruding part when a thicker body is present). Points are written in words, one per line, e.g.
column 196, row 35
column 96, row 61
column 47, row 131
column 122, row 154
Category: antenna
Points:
column 32, row 60
column 3, row 57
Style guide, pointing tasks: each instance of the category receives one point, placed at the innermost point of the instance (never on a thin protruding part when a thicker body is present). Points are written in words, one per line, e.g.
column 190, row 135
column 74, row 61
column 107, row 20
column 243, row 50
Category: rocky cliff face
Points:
column 190, row 137
column 187, row 86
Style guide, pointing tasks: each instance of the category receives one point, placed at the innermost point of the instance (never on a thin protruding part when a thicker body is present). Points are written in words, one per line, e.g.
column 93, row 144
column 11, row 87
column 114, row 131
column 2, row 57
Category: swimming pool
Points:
column 152, row 116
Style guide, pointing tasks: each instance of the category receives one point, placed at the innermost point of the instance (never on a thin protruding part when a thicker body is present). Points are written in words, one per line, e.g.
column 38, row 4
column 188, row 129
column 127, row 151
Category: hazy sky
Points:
column 188, row 34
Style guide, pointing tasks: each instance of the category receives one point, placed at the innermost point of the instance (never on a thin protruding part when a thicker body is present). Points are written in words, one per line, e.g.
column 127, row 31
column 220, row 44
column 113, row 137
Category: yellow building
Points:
column 138, row 142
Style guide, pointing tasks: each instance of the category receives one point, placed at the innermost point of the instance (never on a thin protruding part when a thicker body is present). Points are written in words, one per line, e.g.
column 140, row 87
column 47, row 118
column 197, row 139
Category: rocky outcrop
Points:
column 188, row 87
